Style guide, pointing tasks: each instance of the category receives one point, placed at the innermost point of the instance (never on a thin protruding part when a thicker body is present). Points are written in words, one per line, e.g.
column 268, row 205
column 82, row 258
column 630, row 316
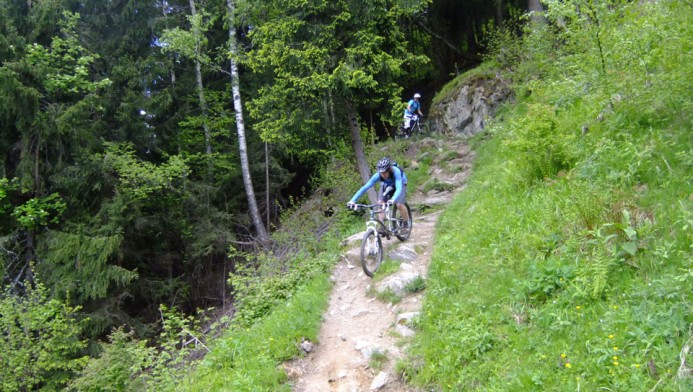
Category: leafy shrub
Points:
column 39, row 341
column 539, row 145
column 546, row 278
column 129, row 364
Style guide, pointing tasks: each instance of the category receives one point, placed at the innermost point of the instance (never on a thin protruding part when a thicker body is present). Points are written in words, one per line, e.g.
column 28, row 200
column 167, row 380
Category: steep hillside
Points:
column 566, row 264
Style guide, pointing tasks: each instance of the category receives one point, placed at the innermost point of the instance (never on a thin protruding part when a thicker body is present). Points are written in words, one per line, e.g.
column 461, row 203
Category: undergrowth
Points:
column 572, row 270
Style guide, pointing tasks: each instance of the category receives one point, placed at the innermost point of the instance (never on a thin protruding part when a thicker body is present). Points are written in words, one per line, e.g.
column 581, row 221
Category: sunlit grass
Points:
column 378, row 360
column 247, row 359
column 574, row 275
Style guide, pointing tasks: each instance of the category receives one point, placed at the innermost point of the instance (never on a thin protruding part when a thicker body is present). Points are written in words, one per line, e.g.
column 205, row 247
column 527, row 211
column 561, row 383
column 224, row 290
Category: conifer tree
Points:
column 346, row 55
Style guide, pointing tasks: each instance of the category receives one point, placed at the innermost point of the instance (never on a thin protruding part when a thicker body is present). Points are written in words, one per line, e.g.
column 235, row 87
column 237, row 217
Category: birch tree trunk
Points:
column 267, row 183
column 201, row 91
column 357, row 144
column 240, row 126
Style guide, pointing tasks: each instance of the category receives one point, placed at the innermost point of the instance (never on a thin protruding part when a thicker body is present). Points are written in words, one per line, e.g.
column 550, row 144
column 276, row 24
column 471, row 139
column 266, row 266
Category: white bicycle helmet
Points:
column 383, row 165
column 417, row 95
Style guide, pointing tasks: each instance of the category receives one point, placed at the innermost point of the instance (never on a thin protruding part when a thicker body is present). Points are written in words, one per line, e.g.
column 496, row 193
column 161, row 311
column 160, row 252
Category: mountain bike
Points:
column 371, row 245
column 417, row 127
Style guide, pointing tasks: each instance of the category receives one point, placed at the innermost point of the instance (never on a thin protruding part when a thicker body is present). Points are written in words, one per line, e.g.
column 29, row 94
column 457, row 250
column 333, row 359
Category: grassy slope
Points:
column 567, row 263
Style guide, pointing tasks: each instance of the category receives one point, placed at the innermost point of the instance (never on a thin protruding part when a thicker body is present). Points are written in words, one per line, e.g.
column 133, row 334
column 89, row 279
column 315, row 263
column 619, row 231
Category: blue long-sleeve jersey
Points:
column 398, row 179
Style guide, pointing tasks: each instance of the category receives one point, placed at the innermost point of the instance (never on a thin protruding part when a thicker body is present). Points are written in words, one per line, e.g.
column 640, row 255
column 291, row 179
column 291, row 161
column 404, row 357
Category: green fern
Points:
column 593, row 273
column 600, row 268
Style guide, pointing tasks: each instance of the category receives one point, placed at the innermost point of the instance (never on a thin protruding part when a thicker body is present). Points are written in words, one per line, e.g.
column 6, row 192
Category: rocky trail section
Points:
column 361, row 333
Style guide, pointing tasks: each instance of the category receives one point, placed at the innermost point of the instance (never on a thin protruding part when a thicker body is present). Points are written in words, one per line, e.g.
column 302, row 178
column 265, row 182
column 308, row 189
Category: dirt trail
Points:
column 358, row 329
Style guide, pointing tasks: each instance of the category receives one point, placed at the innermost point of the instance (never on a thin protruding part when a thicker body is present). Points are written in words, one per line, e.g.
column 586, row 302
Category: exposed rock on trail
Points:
column 362, row 337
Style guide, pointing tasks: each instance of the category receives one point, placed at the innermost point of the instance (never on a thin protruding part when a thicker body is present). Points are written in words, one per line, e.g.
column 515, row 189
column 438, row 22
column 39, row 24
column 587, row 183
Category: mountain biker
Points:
column 393, row 179
column 413, row 106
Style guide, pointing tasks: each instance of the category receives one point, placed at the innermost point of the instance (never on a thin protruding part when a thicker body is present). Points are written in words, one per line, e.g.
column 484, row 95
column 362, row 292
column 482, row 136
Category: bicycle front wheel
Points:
column 416, row 130
column 424, row 129
column 402, row 231
column 371, row 252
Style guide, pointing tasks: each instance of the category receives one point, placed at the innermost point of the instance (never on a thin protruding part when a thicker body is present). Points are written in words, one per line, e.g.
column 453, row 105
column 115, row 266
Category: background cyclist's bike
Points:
column 371, row 245
column 417, row 128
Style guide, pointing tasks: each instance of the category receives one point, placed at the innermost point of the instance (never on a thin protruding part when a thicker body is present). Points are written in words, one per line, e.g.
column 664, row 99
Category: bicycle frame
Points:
column 416, row 127
column 374, row 223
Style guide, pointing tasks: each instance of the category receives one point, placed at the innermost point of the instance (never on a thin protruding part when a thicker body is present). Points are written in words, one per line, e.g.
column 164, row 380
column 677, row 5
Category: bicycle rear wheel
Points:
column 371, row 252
column 402, row 233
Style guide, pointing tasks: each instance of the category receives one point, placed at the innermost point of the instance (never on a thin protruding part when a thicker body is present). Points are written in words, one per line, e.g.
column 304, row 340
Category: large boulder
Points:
column 466, row 109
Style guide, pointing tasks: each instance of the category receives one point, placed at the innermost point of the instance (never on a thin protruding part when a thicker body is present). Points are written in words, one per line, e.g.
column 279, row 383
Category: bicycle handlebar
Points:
column 373, row 206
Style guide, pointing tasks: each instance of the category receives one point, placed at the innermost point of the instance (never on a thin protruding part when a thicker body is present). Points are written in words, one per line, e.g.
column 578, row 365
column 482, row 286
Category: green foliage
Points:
column 323, row 56
column 113, row 370
column 127, row 363
column 378, row 360
column 83, row 266
column 246, row 359
column 578, row 278
column 540, row 147
column 387, row 295
column 416, row 285
column 190, row 43
column 545, row 279
column 5, row 187
column 65, row 66
column 37, row 212
column 140, row 179
column 39, row 339
column 262, row 288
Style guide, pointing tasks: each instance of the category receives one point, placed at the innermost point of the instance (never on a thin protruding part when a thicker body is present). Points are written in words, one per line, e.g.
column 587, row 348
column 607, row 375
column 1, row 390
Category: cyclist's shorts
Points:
column 400, row 200
column 407, row 120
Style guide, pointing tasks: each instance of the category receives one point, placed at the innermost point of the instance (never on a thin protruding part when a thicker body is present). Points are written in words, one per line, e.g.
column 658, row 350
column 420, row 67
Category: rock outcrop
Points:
column 468, row 107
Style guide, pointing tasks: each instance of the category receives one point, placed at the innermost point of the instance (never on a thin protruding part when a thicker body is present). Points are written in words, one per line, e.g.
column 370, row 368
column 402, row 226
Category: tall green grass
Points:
column 247, row 359
column 567, row 263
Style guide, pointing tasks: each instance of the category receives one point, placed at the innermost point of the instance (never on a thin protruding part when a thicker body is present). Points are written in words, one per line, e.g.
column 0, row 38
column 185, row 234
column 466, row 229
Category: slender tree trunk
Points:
column 240, row 126
column 30, row 253
column 500, row 18
column 36, row 166
column 201, row 92
column 357, row 144
column 164, row 13
column 267, row 183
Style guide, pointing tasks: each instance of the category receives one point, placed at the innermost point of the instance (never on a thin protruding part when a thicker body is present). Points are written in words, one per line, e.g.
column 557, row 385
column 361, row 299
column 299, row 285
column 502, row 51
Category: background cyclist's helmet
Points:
column 417, row 95
column 383, row 165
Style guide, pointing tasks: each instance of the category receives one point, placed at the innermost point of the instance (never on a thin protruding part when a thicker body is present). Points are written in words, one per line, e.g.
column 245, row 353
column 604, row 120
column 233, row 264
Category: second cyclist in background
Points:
column 413, row 108
column 392, row 177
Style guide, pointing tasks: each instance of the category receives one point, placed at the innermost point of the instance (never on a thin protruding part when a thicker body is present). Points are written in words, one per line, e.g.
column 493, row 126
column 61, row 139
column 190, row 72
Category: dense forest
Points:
column 156, row 155
column 126, row 171
column 142, row 140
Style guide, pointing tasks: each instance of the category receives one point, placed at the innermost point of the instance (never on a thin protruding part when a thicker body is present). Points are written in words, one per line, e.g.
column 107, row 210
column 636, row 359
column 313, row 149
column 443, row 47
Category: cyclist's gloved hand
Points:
column 351, row 205
column 390, row 203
